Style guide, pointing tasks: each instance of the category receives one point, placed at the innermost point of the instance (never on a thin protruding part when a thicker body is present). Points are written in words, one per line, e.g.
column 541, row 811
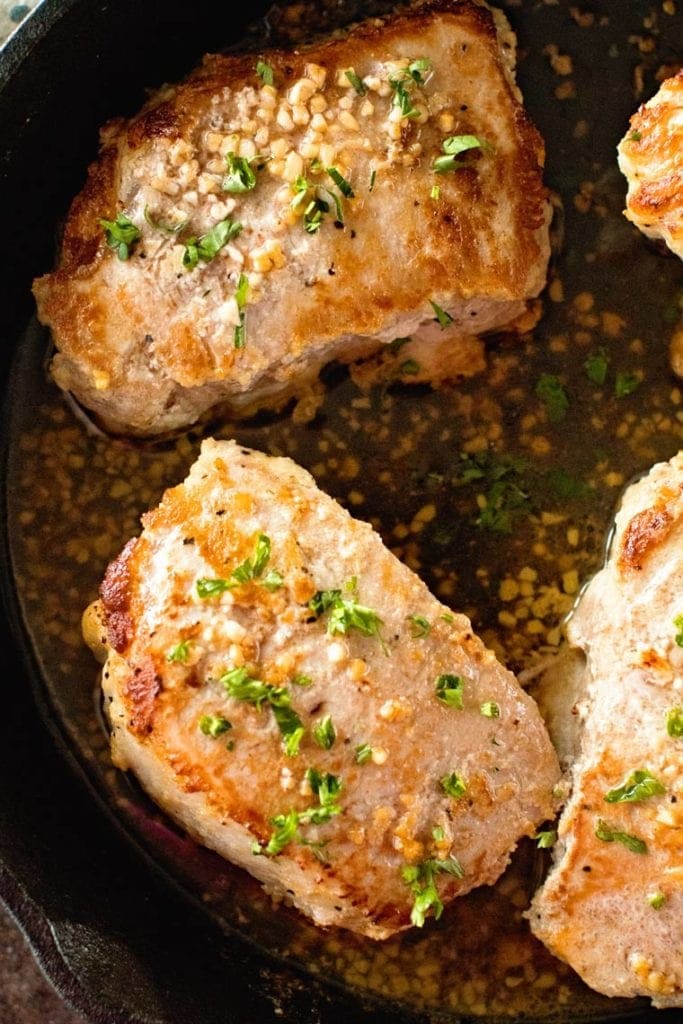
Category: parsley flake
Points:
column 553, row 396
column 240, row 176
column 420, row 626
column 489, row 709
column 265, row 72
column 452, row 147
column 635, row 137
column 640, row 785
column 656, row 899
column 409, row 368
column 345, row 613
column 596, row 366
column 546, row 838
column 626, row 383
column 441, row 316
column 121, row 235
column 324, row 733
column 356, row 82
column 341, row 182
column 240, row 685
column 158, row 225
column 207, row 587
column 449, row 690
column 302, row 680
column 363, row 753
column 209, row 245
column 214, row 725
column 240, row 338
column 608, row 834
column 678, row 623
column 180, row 652
column 453, row 785
column 674, row 723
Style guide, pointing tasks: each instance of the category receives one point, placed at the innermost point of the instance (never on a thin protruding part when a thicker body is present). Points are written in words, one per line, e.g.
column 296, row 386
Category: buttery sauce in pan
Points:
column 499, row 492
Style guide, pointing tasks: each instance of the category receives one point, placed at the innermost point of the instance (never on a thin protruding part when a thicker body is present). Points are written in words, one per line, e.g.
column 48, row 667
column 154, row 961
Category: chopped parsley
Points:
column 373, row 176
column 635, row 137
column 341, row 182
column 640, row 785
column 251, row 569
column 435, row 192
column 420, row 879
column 121, row 235
column 420, row 626
column 265, row 72
column 419, row 67
column 402, row 98
column 441, row 316
column 324, row 733
column 356, row 82
column 503, row 502
column 363, row 753
column 452, row 147
column 180, row 652
column 656, row 899
column 209, row 245
column 214, row 725
column 314, row 213
column 489, row 709
column 453, row 785
column 596, row 366
column 678, row 623
column 608, row 834
column 546, row 838
column 553, row 396
column 626, row 383
column 345, row 613
column 302, row 680
column 286, row 826
column 240, row 176
column 449, row 690
column 674, row 723
column 240, row 338
column 240, row 685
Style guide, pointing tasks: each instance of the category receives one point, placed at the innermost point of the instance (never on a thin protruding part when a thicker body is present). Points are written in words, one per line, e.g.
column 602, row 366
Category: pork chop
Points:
column 278, row 211
column 612, row 906
column 651, row 157
column 296, row 698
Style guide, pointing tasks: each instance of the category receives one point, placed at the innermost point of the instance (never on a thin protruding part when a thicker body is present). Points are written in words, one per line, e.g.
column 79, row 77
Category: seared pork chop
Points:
column 296, row 698
column 651, row 157
column 612, row 906
column 278, row 211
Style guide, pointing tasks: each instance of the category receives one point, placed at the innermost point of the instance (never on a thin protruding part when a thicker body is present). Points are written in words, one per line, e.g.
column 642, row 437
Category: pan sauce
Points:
column 494, row 492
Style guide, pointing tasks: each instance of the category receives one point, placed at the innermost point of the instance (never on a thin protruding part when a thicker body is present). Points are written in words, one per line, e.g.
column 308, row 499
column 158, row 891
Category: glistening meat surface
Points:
column 297, row 699
column 269, row 229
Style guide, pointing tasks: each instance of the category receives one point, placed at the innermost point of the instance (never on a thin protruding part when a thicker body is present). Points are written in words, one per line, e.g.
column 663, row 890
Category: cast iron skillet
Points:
column 115, row 937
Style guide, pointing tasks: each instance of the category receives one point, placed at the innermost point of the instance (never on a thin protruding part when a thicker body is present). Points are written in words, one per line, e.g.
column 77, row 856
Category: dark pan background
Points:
column 118, row 940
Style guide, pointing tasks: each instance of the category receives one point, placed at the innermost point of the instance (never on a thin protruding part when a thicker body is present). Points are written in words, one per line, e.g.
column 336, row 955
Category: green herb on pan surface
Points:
column 240, row 338
column 453, row 785
column 239, row 177
column 420, row 626
column 503, row 502
column 421, row 880
column 626, row 383
column 596, row 366
column 180, row 652
column 450, row 689
column 452, row 147
column 640, row 785
column 207, row 247
column 265, row 72
column 356, row 82
column 214, row 725
column 324, row 733
column 678, row 623
column 344, row 613
column 546, row 838
column 608, row 834
column 341, row 182
column 121, row 235
column 441, row 316
column 674, row 723
column 363, row 753
column 552, row 394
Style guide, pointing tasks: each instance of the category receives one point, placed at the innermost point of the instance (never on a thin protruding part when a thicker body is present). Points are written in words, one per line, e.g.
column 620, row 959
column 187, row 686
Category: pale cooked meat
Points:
column 435, row 759
column 651, row 157
column 612, row 906
column 152, row 345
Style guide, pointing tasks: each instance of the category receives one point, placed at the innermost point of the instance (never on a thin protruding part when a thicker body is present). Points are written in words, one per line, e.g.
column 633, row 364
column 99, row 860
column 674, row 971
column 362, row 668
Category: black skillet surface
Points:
column 119, row 940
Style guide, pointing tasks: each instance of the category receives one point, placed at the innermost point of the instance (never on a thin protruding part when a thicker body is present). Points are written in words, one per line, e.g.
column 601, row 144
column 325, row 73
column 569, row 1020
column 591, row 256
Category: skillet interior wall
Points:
column 568, row 163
